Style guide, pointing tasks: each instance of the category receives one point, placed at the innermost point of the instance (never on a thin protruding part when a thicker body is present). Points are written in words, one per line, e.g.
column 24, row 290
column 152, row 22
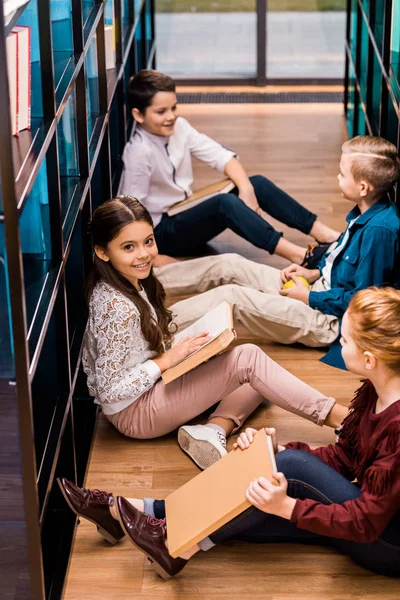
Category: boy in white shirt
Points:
column 158, row 172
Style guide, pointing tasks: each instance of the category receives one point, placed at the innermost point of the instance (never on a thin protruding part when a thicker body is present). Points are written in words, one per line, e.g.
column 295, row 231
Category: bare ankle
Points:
column 336, row 416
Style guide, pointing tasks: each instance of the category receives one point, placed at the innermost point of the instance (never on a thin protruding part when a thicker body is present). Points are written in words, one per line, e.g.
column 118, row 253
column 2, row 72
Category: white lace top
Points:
column 116, row 357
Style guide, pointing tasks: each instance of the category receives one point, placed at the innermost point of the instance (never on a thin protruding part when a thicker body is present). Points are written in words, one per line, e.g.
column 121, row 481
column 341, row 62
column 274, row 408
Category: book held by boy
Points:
column 219, row 325
column 217, row 495
column 221, row 187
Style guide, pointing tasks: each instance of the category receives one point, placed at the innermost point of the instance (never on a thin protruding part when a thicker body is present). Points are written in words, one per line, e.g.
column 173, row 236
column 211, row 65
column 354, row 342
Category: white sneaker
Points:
column 204, row 445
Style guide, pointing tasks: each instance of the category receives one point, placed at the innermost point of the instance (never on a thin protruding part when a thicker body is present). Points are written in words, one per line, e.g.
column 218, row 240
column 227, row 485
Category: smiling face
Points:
column 131, row 252
column 159, row 118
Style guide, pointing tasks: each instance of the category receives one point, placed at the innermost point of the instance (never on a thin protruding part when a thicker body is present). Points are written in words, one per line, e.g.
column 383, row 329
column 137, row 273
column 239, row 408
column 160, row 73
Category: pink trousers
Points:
column 239, row 380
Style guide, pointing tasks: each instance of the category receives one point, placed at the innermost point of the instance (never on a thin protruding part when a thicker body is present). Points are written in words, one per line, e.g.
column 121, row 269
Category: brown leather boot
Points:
column 148, row 535
column 93, row 505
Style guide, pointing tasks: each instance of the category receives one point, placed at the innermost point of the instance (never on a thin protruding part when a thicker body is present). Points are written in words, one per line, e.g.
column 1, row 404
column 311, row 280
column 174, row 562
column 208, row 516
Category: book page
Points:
column 214, row 322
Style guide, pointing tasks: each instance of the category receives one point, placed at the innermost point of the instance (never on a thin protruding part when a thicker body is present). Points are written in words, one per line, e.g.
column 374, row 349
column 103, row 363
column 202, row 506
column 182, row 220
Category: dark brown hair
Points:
column 107, row 221
column 144, row 86
column 375, row 160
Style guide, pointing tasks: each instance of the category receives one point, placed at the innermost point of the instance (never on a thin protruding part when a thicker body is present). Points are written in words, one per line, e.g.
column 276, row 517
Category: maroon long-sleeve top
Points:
column 368, row 450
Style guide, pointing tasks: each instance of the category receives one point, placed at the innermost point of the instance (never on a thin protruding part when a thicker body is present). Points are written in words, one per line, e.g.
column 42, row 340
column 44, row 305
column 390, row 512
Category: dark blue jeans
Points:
column 308, row 477
column 185, row 234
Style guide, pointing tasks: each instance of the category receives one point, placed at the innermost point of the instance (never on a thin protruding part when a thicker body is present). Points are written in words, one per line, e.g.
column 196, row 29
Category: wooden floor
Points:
column 298, row 147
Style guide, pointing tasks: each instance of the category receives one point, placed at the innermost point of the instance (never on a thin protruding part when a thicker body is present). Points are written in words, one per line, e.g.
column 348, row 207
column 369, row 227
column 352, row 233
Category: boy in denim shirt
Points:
column 366, row 254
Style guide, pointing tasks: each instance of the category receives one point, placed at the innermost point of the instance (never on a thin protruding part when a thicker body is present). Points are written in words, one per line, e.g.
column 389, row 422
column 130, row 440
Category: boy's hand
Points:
column 310, row 274
column 298, row 291
column 247, row 195
column 270, row 498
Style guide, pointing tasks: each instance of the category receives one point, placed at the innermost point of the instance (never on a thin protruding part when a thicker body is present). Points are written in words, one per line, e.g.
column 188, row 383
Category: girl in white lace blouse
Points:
column 125, row 351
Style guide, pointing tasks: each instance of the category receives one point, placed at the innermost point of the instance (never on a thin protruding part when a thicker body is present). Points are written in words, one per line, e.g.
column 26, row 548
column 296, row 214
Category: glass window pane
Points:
column 75, row 283
column 92, row 86
column 395, row 41
column 149, row 32
column 49, row 386
column 126, row 17
column 6, row 344
column 68, row 153
column 305, row 38
column 35, row 241
column 130, row 69
column 353, row 29
column 206, row 38
column 361, row 127
column 61, row 26
column 362, row 75
column 351, row 102
column 116, row 141
column 393, row 123
column 374, row 109
column 86, row 8
column 377, row 20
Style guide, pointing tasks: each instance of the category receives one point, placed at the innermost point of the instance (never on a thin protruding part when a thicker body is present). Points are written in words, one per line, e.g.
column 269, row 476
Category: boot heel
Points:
column 107, row 536
column 158, row 569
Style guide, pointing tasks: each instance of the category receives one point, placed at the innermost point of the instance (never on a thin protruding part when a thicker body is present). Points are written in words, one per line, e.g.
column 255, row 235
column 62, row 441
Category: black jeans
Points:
column 309, row 477
column 185, row 234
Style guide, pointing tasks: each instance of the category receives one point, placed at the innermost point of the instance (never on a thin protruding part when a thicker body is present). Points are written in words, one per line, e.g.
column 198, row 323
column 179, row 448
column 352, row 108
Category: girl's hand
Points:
column 182, row 349
column 247, row 436
column 270, row 498
column 310, row 275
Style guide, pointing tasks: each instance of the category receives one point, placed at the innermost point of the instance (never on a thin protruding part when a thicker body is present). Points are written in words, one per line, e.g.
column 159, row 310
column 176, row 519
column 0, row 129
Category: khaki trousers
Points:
column 239, row 380
column 253, row 291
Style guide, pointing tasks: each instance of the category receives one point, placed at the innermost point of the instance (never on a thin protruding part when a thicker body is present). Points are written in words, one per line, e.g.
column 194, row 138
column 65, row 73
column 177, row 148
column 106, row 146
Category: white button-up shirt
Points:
column 327, row 270
column 158, row 170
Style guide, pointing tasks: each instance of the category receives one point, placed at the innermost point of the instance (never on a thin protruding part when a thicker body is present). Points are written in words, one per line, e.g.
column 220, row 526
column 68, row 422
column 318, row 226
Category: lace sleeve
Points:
column 117, row 326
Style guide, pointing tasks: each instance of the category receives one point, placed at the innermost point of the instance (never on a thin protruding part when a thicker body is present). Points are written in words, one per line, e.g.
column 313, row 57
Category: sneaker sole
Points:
column 202, row 452
column 105, row 534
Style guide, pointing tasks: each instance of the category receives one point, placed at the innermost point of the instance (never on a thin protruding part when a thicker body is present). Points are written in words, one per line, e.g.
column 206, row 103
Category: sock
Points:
column 149, row 506
column 220, row 432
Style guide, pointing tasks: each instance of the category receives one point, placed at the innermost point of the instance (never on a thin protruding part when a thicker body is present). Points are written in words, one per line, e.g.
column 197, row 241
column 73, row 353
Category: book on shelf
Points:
column 109, row 35
column 12, row 68
column 221, row 187
column 24, row 76
column 218, row 322
column 217, row 495
column 18, row 45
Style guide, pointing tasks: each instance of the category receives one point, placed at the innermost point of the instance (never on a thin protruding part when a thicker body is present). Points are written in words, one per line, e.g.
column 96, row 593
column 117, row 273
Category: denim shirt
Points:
column 370, row 257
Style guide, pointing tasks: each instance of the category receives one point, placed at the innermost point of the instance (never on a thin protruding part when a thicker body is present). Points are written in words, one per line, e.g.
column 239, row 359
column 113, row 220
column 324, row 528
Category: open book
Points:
column 216, row 495
column 219, row 324
column 221, row 187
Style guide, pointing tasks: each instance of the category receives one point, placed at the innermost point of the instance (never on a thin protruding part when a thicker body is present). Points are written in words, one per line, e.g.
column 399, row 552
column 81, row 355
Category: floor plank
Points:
column 298, row 146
